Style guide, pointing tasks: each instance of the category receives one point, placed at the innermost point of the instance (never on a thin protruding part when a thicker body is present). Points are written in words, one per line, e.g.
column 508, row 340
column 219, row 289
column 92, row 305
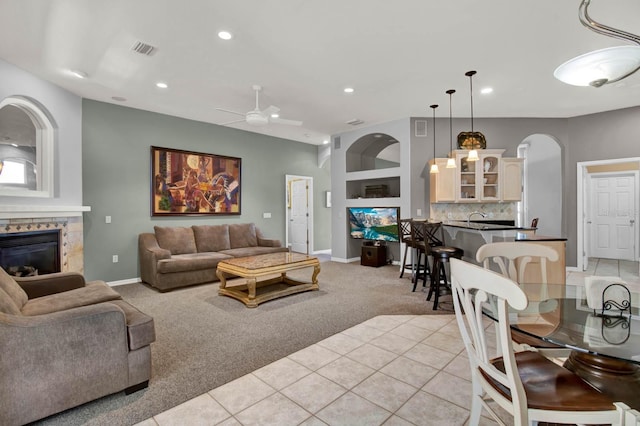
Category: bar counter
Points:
column 470, row 236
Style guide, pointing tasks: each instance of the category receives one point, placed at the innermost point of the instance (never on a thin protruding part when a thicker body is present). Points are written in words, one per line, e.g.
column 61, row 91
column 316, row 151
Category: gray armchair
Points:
column 66, row 342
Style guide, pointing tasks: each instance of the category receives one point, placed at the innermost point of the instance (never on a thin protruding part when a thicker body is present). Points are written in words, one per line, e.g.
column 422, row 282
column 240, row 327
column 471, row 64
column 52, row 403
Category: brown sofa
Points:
column 174, row 257
column 66, row 342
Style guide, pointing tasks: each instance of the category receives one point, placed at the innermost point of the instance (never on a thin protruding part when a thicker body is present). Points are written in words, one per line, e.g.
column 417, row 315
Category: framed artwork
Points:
column 194, row 183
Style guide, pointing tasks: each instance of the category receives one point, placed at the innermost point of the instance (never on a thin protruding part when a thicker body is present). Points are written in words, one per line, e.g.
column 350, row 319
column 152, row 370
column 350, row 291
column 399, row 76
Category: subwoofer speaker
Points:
column 372, row 255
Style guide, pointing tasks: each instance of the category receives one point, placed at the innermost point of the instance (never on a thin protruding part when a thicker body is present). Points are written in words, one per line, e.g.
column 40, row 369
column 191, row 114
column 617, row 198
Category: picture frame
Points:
column 187, row 183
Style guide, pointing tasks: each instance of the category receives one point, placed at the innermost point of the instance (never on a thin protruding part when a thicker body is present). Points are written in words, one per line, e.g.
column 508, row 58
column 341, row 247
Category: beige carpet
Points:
column 205, row 340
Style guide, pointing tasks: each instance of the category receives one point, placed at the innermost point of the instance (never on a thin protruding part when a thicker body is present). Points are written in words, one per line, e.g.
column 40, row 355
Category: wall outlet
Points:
column 107, row 219
column 419, row 212
column 266, row 215
column 115, row 258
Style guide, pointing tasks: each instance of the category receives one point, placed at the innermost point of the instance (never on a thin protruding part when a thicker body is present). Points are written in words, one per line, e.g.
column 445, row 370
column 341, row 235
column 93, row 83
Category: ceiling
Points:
column 400, row 57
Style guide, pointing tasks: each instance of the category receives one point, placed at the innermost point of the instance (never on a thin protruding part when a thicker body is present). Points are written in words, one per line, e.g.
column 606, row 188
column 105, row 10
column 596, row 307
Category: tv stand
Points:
column 374, row 253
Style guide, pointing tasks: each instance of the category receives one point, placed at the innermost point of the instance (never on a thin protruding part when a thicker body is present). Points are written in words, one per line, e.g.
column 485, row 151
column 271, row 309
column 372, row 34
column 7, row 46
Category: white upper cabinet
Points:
column 490, row 179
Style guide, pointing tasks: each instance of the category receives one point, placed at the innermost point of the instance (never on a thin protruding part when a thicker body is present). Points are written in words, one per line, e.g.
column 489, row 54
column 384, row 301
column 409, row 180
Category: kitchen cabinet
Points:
column 442, row 185
column 491, row 179
column 479, row 181
column 511, row 170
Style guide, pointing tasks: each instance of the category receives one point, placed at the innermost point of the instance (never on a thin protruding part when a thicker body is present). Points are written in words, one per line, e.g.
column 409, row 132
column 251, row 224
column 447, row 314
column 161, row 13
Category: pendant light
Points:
column 604, row 66
column 451, row 162
column 434, row 166
column 471, row 140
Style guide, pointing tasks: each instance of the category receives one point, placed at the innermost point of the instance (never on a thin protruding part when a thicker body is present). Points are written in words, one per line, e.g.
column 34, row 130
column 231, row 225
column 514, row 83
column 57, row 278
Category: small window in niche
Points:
column 26, row 149
column 13, row 173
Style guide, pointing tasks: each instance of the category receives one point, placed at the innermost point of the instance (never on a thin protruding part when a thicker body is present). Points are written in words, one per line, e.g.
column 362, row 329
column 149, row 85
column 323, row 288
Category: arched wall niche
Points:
column 27, row 139
column 373, row 151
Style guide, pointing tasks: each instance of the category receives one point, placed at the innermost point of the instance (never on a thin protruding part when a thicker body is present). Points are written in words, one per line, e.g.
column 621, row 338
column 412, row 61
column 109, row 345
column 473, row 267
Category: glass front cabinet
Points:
column 479, row 180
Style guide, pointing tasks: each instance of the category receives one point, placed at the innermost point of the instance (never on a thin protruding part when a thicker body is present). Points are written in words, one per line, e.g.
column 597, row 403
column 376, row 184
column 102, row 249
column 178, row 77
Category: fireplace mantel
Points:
column 41, row 211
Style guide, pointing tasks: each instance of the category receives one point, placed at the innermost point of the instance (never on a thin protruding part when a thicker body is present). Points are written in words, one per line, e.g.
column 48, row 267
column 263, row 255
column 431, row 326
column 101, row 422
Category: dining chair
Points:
column 514, row 260
column 527, row 385
column 631, row 417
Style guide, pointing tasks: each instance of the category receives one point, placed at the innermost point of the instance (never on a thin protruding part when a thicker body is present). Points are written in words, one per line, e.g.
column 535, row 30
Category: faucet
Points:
column 471, row 214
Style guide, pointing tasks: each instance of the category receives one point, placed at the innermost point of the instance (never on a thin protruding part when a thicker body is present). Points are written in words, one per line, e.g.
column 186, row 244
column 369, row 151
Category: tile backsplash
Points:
column 460, row 211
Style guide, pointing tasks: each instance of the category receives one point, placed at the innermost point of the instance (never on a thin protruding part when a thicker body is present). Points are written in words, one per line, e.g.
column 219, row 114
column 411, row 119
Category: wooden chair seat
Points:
column 549, row 386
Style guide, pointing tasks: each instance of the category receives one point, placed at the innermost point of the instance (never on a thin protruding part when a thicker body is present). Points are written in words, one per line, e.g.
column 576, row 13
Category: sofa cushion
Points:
column 176, row 239
column 253, row 251
column 243, row 235
column 140, row 329
column 12, row 289
column 211, row 237
column 94, row 292
column 191, row 262
column 7, row 305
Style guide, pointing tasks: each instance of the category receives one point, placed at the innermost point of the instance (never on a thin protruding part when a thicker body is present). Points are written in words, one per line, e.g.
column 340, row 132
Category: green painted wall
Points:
column 116, row 181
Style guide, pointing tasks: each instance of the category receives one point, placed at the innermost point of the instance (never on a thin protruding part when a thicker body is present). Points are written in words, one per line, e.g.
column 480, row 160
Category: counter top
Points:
column 483, row 226
column 526, row 237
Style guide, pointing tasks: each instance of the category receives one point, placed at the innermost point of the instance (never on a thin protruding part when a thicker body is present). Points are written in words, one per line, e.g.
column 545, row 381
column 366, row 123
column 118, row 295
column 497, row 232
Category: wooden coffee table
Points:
column 253, row 268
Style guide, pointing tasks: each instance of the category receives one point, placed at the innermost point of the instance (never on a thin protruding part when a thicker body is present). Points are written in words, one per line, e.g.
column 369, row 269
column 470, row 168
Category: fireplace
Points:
column 30, row 253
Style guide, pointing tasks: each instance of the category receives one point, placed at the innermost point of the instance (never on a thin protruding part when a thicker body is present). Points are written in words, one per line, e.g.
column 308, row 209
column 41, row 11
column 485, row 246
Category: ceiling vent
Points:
column 421, row 128
column 355, row 122
column 144, row 48
column 336, row 142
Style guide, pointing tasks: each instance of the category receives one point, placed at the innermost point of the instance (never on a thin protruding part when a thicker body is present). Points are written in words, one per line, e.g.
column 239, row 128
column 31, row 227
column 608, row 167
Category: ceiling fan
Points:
column 257, row 117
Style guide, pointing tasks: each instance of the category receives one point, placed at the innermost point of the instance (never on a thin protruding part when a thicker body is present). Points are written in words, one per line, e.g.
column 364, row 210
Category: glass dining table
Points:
column 604, row 346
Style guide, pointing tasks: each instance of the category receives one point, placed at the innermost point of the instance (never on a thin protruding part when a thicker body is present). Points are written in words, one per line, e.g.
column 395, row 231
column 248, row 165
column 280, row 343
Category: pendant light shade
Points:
column 434, row 166
column 471, row 140
column 451, row 162
column 604, row 66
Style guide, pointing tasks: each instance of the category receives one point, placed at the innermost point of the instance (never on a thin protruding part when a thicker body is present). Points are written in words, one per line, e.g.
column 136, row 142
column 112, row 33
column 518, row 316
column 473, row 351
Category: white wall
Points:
column 66, row 111
column 342, row 247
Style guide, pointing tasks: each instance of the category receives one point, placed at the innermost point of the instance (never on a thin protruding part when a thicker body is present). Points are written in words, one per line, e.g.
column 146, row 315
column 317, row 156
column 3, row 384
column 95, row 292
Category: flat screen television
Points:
column 374, row 223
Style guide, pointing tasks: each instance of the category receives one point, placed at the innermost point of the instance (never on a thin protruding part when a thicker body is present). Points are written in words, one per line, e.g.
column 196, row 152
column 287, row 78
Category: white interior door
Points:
column 299, row 216
column 613, row 217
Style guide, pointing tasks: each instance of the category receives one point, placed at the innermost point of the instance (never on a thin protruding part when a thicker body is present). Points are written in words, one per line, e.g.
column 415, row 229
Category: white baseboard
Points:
column 327, row 251
column 123, row 282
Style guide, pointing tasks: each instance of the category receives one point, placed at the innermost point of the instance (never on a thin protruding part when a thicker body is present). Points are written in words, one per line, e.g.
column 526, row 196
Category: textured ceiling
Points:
column 399, row 56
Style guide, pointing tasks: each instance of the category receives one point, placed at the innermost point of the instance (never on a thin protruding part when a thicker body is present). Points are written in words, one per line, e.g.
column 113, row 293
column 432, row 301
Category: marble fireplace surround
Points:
column 67, row 219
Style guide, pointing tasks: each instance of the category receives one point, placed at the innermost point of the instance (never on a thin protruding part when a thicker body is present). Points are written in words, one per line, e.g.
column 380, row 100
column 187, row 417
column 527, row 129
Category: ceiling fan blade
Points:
column 232, row 122
column 231, row 112
column 286, row 122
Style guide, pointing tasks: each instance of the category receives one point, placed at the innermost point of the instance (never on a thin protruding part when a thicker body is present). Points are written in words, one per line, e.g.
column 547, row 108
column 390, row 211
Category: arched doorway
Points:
column 543, row 184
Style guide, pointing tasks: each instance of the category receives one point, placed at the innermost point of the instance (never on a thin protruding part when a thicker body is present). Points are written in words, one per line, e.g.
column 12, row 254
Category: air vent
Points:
column 336, row 142
column 144, row 48
column 355, row 122
column 421, row 128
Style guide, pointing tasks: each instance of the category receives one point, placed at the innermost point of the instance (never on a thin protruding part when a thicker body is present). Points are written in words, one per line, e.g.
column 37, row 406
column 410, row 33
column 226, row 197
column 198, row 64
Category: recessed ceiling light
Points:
column 275, row 115
column 324, row 142
column 348, row 90
column 225, row 35
column 79, row 74
column 162, row 85
column 486, row 90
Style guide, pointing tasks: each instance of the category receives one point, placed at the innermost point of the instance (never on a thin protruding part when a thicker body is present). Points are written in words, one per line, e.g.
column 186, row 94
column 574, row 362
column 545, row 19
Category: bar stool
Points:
column 425, row 234
column 405, row 236
column 441, row 255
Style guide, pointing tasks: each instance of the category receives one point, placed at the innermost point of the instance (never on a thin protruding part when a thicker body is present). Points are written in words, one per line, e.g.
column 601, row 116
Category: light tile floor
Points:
column 390, row 370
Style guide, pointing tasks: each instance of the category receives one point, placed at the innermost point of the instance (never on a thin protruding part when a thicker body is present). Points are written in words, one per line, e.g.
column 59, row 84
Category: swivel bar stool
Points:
column 441, row 255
